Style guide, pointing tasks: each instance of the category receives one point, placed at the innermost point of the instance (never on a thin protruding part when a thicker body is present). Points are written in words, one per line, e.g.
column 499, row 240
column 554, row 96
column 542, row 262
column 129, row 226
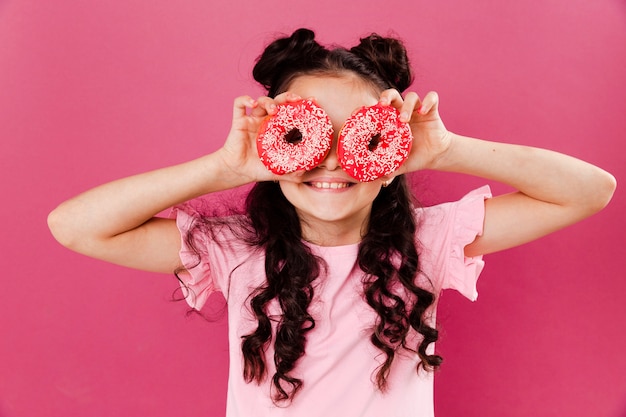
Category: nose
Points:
column 331, row 162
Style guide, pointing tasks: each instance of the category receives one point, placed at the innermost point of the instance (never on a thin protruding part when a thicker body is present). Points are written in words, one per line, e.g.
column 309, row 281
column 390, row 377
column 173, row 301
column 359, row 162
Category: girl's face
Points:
column 334, row 208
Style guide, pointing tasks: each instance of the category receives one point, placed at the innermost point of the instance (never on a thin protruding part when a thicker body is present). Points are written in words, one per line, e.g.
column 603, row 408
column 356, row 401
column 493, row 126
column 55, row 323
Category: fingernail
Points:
column 404, row 116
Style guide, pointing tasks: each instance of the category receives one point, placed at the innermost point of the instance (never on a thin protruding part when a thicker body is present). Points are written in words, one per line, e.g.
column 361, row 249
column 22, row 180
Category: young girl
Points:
column 331, row 283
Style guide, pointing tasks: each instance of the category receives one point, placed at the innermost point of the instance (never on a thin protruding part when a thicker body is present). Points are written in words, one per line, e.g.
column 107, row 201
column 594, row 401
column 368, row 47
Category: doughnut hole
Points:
column 374, row 141
column 298, row 137
column 294, row 136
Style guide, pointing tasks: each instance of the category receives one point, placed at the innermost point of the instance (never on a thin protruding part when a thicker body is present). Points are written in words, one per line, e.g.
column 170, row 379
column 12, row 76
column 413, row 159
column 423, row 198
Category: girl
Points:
column 332, row 284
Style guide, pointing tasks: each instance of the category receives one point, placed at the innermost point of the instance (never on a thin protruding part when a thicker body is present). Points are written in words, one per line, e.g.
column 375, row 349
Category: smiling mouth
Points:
column 330, row 185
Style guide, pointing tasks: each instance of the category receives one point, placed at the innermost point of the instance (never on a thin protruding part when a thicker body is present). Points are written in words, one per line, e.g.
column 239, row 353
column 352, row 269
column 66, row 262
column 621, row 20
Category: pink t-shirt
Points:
column 340, row 362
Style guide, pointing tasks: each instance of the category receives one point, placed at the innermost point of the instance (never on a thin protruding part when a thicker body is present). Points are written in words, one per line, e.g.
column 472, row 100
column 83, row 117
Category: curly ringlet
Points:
column 387, row 254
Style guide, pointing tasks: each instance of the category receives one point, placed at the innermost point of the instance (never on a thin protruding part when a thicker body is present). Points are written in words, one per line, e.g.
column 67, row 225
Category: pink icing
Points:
column 393, row 148
column 279, row 155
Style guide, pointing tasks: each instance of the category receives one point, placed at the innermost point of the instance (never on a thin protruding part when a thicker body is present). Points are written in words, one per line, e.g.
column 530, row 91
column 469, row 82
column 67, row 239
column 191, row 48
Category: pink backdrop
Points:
column 92, row 90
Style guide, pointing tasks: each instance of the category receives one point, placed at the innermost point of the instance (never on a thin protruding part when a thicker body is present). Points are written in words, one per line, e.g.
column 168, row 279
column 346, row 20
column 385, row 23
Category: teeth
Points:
column 330, row 185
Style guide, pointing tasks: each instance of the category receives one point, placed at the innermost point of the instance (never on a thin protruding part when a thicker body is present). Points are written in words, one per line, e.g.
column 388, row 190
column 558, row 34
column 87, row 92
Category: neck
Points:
column 333, row 233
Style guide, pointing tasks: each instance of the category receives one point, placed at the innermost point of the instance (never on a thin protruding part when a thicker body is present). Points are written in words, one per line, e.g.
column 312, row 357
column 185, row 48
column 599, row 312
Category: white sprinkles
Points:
column 279, row 155
column 393, row 148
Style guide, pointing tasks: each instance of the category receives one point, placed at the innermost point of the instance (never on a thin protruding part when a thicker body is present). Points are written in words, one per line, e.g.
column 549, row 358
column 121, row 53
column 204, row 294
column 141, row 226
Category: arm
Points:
column 553, row 190
column 116, row 222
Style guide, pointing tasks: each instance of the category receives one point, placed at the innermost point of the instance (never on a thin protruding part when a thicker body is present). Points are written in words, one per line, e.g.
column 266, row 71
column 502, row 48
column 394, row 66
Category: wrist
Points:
column 220, row 174
column 444, row 158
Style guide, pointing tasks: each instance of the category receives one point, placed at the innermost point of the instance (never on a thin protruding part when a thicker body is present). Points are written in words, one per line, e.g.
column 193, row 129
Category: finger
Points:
column 287, row 96
column 411, row 103
column 269, row 106
column 391, row 97
column 241, row 106
column 429, row 103
column 266, row 105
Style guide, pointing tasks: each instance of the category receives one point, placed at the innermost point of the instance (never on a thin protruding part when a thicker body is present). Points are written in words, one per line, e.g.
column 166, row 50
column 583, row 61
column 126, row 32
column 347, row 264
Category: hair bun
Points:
column 388, row 58
column 286, row 56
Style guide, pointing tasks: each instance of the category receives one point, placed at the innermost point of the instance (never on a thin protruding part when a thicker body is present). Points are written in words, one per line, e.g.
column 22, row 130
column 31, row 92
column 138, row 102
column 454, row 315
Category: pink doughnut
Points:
column 373, row 142
column 298, row 137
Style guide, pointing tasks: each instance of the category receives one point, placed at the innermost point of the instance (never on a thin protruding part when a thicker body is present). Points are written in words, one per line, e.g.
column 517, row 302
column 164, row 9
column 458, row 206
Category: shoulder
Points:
column 435, row 220
column 443, row 232
column 219, row 229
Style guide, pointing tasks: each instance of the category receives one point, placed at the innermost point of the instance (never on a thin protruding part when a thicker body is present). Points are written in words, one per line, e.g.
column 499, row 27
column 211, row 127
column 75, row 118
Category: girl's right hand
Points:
column 239, row 153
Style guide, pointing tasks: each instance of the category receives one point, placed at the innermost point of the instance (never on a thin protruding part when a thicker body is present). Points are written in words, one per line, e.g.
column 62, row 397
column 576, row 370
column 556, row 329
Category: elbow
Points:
column 55, row 225
column 602, row 192
column 60, row 225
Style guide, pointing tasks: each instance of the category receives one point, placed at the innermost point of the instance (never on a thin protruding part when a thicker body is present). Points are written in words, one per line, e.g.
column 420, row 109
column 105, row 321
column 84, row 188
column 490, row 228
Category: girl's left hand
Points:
column 431, row 139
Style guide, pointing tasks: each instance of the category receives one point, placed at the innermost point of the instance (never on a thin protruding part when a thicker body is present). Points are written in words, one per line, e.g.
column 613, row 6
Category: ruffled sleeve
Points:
column 196, row 280
column 447, row 229
column 463, row 271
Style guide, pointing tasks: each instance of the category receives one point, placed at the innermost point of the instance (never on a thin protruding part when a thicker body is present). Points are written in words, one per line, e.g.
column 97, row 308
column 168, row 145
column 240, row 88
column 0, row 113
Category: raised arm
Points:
column 116, row 221
column 553, row 190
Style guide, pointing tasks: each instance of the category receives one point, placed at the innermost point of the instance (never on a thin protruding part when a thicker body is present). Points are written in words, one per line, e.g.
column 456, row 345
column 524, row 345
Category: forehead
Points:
column 339, row 95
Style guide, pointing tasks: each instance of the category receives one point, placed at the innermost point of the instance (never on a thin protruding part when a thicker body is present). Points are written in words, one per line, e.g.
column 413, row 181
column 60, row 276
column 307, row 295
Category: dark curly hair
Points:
column 387, row 253
column 380, row 61
column 290, row 266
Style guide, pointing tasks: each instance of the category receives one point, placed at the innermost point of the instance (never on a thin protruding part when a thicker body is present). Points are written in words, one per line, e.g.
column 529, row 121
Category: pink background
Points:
column 91, row 91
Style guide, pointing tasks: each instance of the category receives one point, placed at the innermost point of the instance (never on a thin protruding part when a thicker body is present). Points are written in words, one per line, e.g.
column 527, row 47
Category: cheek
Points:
column 289, row 190
column 371, row 191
